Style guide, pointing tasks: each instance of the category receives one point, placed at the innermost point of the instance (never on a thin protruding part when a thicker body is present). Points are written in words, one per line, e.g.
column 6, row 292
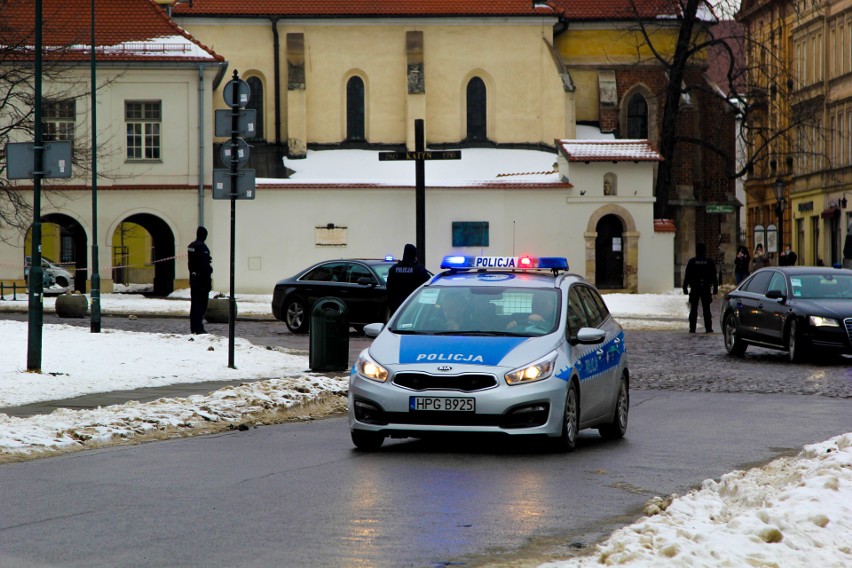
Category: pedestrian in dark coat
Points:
column 787, row 257
column 200, row 280
column 405, row 277
column 741, row 264
column 701, row 283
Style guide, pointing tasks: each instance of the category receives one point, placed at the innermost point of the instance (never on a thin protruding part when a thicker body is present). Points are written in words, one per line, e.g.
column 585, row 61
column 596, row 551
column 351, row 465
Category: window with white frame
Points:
column 57, row 119
column 143, row 119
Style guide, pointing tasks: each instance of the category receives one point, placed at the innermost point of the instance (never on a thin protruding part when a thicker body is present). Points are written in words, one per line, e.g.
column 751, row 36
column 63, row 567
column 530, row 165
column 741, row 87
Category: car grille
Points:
column 464, row 383
column 848, row 323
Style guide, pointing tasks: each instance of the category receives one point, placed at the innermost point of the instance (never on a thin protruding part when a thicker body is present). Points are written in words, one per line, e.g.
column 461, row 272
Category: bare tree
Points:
column 756, row 84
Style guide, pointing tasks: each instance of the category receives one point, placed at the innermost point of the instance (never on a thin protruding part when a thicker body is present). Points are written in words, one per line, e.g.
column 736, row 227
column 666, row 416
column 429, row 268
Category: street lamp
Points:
column 778, row 188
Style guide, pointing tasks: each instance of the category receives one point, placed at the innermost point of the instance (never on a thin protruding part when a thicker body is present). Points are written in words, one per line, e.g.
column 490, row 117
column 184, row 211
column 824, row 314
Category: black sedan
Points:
column 358, row 283
column 798, row 309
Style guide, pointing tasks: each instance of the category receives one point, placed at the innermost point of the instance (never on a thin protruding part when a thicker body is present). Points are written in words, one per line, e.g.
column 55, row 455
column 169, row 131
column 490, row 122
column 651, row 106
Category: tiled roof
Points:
column 125, row 30
column 616, row 9
column 608, row 151
column 664, row 226
column 363, row 8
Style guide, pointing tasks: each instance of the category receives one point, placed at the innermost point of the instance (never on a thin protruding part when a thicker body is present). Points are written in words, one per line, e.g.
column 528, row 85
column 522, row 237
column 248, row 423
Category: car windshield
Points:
column 472, row 310
column 822, row 286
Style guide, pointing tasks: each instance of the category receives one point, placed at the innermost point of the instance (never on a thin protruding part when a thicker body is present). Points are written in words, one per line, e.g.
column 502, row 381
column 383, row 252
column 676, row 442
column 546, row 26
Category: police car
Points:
column 516, row 346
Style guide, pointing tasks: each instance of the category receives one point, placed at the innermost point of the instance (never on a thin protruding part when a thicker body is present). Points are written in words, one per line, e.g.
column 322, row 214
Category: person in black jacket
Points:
column 787, row 257
column 742, row 263
column 701, row 283
column 200, row 281
column 405, row 277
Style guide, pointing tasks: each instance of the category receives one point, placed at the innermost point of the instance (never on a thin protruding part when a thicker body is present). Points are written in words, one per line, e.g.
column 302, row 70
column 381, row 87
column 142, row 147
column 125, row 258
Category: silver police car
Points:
column 494, row 345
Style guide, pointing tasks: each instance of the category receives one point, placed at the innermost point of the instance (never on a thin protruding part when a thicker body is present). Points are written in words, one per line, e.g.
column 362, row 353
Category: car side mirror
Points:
column 366, row 281
column 589, row 336
column 776, row 295
column 373, row 329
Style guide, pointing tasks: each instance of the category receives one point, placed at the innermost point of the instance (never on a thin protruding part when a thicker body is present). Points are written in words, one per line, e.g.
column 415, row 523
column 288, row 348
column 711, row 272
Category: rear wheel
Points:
column 296, row 315
column 367, row 441
column 618, row 427
column 794, row 343
column 730, row 330
column 570, row 421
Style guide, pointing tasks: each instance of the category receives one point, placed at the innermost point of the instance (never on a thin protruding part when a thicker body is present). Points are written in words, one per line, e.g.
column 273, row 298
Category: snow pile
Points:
column 794, row 512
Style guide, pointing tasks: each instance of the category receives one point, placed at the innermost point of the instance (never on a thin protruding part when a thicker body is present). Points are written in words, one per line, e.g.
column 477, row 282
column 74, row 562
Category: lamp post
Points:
column 96, row 275
column 778, row 188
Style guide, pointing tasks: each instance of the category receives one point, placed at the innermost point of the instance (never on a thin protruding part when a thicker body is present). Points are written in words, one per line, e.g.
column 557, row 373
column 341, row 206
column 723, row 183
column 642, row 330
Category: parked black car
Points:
column 798, row 309
column 360, row 283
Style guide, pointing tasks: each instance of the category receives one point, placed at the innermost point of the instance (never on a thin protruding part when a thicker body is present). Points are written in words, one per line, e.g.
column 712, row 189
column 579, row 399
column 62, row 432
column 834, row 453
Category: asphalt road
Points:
column 299, row 495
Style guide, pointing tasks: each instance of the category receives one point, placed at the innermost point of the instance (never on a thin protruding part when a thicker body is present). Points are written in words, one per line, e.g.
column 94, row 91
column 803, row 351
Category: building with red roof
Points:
column 155, row 86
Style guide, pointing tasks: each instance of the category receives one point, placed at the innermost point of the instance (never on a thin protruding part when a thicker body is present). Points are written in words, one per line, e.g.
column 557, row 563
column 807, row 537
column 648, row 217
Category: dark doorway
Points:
column 355, row 110
column 609, row 253
column 162, row 253
column 476, row 111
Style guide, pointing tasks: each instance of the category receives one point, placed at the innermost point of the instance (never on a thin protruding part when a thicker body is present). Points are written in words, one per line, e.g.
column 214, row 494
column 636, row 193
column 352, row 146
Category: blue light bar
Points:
column 504, row 262
column 389, row 257
column 456, row 261
column 553, row 262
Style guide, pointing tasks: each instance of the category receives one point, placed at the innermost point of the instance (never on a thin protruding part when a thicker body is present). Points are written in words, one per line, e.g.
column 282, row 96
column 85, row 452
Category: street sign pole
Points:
column 36, row 285
column 420, row 190
column 234, row 165
column 419, row 157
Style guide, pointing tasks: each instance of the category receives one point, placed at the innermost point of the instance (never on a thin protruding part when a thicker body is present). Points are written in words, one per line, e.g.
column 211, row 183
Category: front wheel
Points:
column 570, row 421
column 618, row 427
column 367, row 441
column 296, row 315
column 794, row 344
column 733, row 344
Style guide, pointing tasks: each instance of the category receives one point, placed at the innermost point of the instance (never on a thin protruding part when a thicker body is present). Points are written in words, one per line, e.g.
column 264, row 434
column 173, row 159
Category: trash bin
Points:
column 329, row 335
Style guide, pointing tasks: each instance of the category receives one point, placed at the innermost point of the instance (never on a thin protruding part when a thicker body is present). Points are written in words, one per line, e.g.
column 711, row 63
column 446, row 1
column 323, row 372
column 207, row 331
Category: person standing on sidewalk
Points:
column 200, row 280
column 787, row 257
column 405, row 277
column 701, row 283
column 760, row 258
column 741, row 264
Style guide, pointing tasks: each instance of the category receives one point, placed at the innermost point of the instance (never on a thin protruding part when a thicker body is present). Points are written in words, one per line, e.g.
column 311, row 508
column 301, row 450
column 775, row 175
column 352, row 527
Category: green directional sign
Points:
column 719, row 209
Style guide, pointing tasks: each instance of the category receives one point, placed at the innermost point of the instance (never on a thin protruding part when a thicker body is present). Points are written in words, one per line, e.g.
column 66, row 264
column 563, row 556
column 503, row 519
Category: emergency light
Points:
column 504, row 262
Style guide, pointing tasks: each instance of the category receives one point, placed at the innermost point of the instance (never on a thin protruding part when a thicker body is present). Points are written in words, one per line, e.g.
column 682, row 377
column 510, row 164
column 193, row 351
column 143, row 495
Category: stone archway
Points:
column 64, row 242
column 609, row 216
column 162, row 251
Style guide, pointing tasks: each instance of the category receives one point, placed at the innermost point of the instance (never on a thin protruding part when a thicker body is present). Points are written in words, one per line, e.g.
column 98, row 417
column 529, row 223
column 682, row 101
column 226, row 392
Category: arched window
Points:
column 637, row 117
column 476, row 105
column 256, row 102
column 355, row 109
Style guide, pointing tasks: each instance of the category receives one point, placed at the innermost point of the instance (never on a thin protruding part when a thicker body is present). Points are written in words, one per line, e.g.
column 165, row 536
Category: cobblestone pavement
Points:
column 659, row 359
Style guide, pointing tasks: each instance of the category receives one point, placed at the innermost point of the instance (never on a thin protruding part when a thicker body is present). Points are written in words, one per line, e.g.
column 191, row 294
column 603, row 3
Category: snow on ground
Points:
column 793, row 512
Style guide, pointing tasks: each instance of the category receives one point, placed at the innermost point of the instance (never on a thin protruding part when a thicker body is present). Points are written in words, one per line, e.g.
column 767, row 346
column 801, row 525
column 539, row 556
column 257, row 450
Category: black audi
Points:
column 359, row 283
column 799, row 309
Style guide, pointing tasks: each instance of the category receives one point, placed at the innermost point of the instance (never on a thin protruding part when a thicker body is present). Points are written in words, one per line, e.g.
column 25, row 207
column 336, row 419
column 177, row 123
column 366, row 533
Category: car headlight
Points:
column 819, row 321
column 536, row 371
column 369, row 369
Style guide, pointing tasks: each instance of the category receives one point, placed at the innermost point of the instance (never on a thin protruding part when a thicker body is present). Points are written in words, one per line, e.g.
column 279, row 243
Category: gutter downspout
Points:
column 201, row 145
column 276, row 55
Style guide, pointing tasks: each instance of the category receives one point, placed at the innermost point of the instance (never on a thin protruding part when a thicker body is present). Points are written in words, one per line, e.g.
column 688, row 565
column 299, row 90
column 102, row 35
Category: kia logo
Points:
column 445, row 368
